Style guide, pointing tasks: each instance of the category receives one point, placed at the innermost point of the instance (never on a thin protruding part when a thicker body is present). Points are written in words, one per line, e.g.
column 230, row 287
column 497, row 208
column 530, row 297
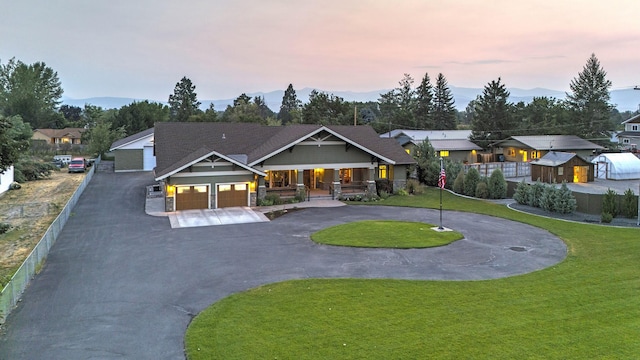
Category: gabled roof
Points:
column 131, row 139
column 454, row 145
column 73, row 133
column 180, row 145
column 418, row 136
column 628, row 134
column 633, row 119
column 555, row 158
column 549, row 142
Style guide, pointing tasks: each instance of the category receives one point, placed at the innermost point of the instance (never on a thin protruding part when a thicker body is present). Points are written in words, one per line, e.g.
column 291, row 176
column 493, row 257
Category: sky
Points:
column 142, row 48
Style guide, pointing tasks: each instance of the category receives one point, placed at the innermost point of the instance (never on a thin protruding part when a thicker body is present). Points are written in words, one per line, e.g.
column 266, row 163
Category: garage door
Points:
column 192, row 197
column 233, row 195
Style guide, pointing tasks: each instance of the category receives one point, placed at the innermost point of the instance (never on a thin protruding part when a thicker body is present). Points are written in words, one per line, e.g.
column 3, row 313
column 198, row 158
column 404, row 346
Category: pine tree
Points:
column 589, row 102
column 497, row 185
column 424, row 104
column 183, row 103
column 290, row 106
column 548, row 198
column 565, row 201
column 492, row 119
column 471, row 180
column 521, row 195
column 444, row 113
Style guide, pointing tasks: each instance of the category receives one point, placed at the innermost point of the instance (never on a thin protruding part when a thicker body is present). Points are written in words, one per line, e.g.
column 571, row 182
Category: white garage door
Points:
column 148, row 158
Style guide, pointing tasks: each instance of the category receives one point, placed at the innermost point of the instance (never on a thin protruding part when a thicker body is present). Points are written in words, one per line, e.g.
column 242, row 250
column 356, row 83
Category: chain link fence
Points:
column 11, row 293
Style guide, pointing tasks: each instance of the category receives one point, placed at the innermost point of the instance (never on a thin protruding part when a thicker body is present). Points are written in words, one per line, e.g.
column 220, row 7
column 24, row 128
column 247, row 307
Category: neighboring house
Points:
column 71, row 136
column 528, row 148
column 451, row 144
column 6, row 178
column 630, row 137
column 215, row 165
column 617, row 166
column 557, row 167
column 135, row 152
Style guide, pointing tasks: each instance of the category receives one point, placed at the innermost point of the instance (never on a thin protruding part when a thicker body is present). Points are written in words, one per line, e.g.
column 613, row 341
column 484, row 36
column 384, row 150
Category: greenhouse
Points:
column 617, row 166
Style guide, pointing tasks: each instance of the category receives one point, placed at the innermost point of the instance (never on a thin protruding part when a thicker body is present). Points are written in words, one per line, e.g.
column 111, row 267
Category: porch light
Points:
column 171, row 190
column 253, row 186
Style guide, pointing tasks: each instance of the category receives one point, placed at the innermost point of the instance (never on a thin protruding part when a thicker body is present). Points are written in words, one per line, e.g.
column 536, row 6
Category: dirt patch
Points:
column 29, row 211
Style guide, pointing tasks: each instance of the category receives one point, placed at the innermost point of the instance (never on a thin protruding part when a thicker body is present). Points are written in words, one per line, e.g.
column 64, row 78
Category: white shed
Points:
column 617, row 166
column 6, row 178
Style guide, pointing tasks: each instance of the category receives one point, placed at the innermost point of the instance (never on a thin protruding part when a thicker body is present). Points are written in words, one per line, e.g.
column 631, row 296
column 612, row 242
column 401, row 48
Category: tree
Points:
column 565, row 201
column 428, row 166
column 326, row 109
column 244, row 110
column 290, row 104
column 492, row 119
column 14, row 139
column 424, row 104
column 31, row 91
column 102, row 134
column 589, row 102
column 497, row 185
column 140, row 116
column 444, row 113
column 471, row 180
column 71, row 114
column 184, row 102
column 544, row 116
column 397, row 106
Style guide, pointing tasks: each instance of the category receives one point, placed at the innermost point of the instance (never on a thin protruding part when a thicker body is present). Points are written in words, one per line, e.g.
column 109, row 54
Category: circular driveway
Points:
column 122, row 284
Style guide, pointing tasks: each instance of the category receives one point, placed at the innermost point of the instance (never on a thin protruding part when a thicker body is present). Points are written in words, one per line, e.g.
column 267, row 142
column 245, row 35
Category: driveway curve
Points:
column 121, row 284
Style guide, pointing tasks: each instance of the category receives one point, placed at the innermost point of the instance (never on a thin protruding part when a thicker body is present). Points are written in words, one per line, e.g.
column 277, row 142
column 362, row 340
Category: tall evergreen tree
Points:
column 492, row 119
column 397, row 106
column 424, row 104
column 290, row 106
column 444, row 113
column 183, row 103
column 589, row 102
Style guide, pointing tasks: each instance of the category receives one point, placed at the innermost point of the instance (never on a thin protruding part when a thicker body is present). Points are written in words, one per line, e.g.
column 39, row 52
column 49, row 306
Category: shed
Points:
column 557, row 167
column 135, row 152
column 617, row 166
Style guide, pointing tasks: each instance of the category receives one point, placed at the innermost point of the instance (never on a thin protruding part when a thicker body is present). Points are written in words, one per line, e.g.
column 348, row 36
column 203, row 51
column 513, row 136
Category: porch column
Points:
column 371, row 183
column 300, row 184
column 337, row 189
column 262, row 189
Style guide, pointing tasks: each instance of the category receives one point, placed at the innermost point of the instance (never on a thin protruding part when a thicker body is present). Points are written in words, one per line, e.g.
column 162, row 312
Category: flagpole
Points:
column 441, row 185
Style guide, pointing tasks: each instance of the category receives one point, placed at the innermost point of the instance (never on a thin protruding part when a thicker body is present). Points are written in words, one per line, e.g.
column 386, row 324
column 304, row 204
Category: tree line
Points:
column 30, row 99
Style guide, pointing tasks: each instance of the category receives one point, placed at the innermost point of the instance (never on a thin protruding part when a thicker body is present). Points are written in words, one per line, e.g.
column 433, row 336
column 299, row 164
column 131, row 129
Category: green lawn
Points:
column 587, row 307
column 385, row 234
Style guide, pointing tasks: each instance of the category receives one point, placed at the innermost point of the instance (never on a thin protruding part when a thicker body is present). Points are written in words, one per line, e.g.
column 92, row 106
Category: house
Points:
column 72, row 136
column 451, row 144
column 630, row 137
column 135, row 152
column 528, row 148
column 617, row 166
column 557, row 167
column 215, row 165
column 6, row 178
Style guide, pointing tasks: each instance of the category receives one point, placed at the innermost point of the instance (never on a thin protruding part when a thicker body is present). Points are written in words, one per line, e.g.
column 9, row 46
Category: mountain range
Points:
column 624, row 99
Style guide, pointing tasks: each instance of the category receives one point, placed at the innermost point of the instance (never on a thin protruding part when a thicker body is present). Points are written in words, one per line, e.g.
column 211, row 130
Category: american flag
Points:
column 442, row 180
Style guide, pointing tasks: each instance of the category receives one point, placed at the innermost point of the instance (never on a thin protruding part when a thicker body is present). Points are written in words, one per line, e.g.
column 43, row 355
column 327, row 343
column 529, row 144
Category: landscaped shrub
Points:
column 471, row 180
column 521, row 196
column 565, row 201
column 548, row 198
column 606, row 217
column 31, row 170
column 4, row 227
column 535, row 194
column 497, row 185
column 452, row 168
column 609, row 204
column 482, row 190
column 402, row 192
column 384, row 195
column 413, row 187
column 629, row 204
column 458, row 184
column 384, row 185
column 301, row 195
column 272, row 199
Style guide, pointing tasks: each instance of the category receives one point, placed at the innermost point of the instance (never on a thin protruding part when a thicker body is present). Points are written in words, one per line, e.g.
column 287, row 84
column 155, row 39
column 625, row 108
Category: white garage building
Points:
column 135, row 152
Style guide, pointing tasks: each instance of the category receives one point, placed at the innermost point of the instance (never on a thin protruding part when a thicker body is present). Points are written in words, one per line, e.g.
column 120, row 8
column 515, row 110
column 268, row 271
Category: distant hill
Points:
column 625, row 99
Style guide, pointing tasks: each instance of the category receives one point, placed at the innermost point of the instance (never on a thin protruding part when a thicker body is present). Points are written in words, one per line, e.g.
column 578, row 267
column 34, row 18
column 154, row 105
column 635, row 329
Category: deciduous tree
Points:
column 140, row 116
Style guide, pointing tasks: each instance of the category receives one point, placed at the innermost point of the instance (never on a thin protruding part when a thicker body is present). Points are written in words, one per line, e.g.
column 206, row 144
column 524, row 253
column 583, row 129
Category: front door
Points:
column 580, row 174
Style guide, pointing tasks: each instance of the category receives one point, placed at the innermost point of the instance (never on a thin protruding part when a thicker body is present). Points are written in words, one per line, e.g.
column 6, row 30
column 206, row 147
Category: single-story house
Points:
column 528, row 148
column 135, row 152
column 6, row 178
column 215, row 165
column 617, row 166
column 630, row 137
column 557, row 167
column 71, row 136
column 451, row 144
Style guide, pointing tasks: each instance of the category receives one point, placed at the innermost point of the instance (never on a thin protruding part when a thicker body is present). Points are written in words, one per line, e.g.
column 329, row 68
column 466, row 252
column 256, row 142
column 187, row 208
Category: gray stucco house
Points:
column 215, row 165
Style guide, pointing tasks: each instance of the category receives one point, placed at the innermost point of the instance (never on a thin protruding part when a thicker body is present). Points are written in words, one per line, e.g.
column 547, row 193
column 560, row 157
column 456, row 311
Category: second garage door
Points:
column 230, row 195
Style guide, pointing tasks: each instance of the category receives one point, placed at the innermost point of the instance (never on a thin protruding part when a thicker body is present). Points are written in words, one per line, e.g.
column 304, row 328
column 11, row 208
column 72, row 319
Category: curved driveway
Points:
column 121, row 284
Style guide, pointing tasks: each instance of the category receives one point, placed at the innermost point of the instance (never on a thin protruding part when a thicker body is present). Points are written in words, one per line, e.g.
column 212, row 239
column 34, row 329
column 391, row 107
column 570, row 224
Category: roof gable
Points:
column 143, row 135
column 550, row 142
column 555, row 158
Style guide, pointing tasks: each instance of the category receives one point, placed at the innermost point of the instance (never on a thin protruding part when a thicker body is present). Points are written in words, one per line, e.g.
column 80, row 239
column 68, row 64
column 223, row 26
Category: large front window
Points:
column 382, row 171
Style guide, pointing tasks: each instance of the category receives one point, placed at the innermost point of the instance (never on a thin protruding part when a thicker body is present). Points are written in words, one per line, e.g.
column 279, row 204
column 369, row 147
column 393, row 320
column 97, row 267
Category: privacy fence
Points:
column 11, row 293
column 509, row 169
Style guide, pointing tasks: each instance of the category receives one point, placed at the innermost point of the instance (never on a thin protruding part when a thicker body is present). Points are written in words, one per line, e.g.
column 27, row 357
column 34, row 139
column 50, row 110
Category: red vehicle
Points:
column 77, row 165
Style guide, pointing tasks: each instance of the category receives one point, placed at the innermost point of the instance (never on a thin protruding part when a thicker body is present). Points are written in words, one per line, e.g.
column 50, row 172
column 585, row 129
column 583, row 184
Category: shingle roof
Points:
column 74, row 133
column 551, row 142
column 454, row 145
column 554, row 158
column 633, row 120
column 129, row 139
column 179, row 144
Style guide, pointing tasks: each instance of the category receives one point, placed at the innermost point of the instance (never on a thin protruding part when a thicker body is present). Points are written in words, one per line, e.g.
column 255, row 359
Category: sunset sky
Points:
column 142, row 48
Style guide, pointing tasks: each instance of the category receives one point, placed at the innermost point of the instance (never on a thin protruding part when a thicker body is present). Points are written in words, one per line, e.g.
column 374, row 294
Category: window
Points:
column 408, row 151
column 535, row 154
column 625, row 141
column 560, row 171
column 224, row 187
column 444, row 153
column 241, row 187
column 634, row 127
column 512, row 152
column 382, row 171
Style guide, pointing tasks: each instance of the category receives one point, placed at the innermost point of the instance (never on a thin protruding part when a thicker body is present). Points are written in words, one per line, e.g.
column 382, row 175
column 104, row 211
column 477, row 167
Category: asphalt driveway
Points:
column 122, row 284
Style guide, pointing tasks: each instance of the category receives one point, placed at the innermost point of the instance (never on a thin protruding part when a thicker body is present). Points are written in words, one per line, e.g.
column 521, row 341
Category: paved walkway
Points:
column 119, row 283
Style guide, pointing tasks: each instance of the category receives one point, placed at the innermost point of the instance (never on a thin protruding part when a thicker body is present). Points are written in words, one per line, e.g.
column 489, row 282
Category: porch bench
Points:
column 353, row 188
column 282, row 191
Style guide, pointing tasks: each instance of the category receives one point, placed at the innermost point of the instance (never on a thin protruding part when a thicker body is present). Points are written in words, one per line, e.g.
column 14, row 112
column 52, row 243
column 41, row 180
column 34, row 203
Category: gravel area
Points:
column 576, row 216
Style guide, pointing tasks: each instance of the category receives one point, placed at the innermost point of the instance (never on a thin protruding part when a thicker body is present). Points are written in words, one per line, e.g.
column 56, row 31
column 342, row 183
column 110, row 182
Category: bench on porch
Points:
column 283, row 192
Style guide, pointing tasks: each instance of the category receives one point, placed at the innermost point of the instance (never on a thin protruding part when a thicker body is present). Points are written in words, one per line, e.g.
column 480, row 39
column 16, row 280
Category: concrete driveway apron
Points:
column 122, row 284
